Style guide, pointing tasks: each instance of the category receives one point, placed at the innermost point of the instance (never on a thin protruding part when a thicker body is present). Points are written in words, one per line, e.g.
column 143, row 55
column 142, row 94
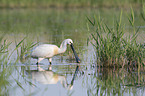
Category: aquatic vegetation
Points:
column 26, row 48
column 4, row 73
column 115, row 82
column 114, row 47
column 143, row 12
column 52, row 26
column 7, row 67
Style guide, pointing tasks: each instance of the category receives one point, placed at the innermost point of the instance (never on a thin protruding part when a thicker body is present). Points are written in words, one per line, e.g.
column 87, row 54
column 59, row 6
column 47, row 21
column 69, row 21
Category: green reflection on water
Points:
column 112, row 82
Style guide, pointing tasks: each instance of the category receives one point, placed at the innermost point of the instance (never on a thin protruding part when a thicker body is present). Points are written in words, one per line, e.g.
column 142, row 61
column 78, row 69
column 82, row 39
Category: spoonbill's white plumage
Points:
column 48, row 50
column 50, row 77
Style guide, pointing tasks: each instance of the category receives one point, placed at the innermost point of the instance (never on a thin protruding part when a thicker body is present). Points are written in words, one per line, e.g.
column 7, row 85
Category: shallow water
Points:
column 53, row 26
column 65, row 80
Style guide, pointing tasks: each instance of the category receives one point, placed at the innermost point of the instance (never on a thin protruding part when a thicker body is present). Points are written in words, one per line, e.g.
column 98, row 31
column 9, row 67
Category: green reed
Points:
column 113, row 46
column 4, row 52
column 7, row 67
column 26, row 48
column 115, row 82
column 5, row 70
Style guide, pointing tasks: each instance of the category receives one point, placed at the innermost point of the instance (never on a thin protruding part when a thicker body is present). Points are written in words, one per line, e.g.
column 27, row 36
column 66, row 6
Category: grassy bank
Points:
column 70, row 3
column 113, row 46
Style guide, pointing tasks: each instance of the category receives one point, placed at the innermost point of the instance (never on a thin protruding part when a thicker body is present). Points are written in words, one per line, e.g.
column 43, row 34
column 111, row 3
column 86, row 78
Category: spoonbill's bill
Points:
column 48, row 51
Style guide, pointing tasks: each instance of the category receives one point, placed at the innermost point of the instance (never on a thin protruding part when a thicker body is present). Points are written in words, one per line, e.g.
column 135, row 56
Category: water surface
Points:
column 53, row 26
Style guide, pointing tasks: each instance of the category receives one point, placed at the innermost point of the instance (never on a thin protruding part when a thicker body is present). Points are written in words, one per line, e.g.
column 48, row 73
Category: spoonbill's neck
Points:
column 63, row 47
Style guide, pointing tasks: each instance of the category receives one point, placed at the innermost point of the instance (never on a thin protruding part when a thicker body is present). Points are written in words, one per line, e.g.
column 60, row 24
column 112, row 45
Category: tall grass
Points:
column 4, row 52
column 114, row 47
column 23, row 49
column 115, row 82
column 26, row 48
column 5, row 70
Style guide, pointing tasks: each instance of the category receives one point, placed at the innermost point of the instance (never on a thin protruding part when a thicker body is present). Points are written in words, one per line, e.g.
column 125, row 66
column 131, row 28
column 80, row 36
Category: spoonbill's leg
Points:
column 39, row 59
column 50, row 67
column 40, row 69
column 50, row 59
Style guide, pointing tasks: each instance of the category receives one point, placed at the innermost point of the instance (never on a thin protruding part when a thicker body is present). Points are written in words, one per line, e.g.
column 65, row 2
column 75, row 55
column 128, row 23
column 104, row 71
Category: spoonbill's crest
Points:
column 48, row 51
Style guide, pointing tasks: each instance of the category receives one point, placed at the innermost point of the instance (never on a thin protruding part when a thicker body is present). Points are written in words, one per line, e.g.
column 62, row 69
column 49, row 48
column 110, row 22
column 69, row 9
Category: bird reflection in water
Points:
column 50, row 77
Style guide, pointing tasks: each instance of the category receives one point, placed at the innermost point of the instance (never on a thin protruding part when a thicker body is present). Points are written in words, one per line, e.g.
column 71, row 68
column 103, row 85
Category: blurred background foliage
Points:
column 69, row 3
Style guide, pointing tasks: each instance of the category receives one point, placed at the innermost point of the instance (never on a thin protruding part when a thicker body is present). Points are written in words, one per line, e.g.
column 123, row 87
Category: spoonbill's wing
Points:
column 44, row 51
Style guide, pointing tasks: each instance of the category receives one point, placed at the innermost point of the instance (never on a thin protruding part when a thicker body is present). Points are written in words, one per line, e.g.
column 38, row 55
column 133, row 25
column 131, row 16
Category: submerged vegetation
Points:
column 114, row 47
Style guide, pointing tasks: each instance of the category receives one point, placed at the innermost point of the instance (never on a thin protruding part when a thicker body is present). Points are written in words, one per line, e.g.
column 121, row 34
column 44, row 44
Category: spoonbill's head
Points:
column 70, row 42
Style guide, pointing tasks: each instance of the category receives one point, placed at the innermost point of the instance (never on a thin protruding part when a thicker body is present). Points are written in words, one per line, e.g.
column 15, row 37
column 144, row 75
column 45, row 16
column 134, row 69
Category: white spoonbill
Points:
column 48, row 51
column 50, row 77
